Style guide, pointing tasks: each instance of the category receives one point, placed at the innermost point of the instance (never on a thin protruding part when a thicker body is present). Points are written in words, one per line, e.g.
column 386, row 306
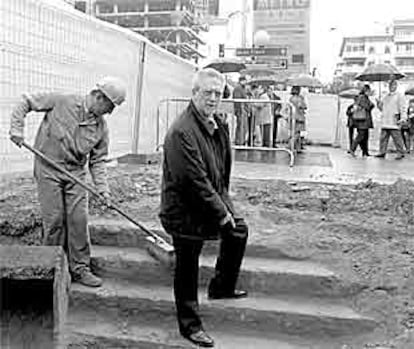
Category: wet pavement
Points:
column 343, row 168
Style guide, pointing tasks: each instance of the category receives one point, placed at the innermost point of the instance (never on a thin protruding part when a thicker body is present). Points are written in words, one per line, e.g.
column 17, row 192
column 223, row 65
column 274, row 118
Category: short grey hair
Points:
column 206, row 73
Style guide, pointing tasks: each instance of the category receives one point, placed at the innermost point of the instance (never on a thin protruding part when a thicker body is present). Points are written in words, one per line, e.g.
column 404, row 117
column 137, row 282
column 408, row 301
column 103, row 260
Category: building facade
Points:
column 404, row 47
column 288, row 24
column 395, row 47
column 173, row 24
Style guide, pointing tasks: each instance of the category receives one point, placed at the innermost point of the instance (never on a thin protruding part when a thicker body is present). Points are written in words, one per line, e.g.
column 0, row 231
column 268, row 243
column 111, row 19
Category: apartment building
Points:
column 173, row 24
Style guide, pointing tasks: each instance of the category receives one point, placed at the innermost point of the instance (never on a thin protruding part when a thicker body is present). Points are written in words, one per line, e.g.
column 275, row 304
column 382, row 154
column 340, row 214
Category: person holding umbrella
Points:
column 362, row 120
column 393, row 113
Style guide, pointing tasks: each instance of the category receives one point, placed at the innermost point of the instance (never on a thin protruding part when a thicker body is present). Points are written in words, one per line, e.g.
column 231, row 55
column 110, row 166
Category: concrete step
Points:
column 289, row 315
column 266, row 276
column 120, row 232
column 93, row 330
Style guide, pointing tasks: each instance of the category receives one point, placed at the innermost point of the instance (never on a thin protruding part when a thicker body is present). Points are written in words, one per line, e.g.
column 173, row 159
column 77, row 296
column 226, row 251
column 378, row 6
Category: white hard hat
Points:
column 113, row 88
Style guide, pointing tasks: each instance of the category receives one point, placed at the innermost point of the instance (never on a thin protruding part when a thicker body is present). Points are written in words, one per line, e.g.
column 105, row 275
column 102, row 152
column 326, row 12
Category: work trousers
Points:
column 187, row 253
column 397, row 138
column 64, row 209
column 362, row 140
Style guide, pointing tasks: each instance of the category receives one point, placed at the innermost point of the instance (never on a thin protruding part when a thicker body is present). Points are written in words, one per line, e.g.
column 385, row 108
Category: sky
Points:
column 348, row 17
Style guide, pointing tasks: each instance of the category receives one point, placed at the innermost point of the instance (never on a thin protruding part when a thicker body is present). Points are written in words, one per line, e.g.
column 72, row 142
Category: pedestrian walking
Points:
column 393, row 113
column 407, row 129
column 299, row 110
column 73, row 133
column 241, row 111
column 196, row 205
column 362, row 120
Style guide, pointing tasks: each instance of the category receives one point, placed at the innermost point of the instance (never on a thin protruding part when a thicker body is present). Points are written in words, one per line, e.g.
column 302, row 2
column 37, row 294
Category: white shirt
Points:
column 392, row 104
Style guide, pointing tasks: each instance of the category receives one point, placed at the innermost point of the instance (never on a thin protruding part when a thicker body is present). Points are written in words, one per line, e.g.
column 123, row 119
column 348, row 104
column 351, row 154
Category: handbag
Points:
column 359, row 114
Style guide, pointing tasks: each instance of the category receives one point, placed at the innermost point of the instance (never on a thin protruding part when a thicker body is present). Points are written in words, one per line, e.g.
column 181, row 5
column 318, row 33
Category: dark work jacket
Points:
column 196, row 175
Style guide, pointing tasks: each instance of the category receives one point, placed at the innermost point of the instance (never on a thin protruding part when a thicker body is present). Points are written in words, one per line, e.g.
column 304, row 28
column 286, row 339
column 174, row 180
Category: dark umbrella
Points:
column 226, row 65
column 349, row 93
column 380, row 72
column 304, row 80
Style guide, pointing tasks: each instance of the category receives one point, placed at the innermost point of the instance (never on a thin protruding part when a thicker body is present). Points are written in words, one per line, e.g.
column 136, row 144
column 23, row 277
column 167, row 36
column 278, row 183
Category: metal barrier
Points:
column 286, row 136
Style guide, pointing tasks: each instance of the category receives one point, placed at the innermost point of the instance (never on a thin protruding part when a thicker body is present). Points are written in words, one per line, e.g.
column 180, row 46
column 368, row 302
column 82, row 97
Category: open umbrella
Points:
column 410, row 91
column 379, row 72
column 304, row 80
column 226, row 65
column 349, row 93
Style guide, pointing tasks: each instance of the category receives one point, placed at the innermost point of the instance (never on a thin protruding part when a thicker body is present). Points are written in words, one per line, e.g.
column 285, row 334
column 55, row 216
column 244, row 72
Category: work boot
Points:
column 381, row 156
column 87, row 278
column 399, row 157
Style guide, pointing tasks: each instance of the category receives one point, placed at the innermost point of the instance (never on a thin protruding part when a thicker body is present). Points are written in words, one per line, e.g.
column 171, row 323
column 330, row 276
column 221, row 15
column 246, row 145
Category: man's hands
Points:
column 228, row 223
column 18, row 140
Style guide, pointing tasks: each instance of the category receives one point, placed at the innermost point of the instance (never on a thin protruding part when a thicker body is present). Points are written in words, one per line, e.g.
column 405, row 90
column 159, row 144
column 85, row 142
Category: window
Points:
column 348, row 48
column 371, row 50
column 298, row 58
column 80, row 6
column 387, row 50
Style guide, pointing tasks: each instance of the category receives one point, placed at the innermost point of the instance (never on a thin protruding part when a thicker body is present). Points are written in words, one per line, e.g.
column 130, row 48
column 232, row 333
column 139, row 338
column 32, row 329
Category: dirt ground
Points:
column 363, row 232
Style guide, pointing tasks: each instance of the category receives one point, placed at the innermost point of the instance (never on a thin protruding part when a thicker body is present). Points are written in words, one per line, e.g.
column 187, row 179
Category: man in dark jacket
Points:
column 195, row 203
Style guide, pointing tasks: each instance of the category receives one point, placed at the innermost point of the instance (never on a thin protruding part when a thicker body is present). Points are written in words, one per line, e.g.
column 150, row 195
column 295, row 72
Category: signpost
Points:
column 261, row 51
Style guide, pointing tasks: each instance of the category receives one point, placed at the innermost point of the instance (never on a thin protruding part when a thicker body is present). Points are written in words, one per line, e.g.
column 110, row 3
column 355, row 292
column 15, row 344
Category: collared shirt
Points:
column 393, row 110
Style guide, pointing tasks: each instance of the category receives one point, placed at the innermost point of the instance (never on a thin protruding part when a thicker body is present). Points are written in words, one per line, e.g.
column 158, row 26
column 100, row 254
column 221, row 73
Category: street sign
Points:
column 261, row 51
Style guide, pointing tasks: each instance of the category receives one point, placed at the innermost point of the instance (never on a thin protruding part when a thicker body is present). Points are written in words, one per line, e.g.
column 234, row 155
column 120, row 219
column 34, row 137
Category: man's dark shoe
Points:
column 200, row 338
column 380, row 156
column 88, row 279
column 399, row 157
column 236, row 294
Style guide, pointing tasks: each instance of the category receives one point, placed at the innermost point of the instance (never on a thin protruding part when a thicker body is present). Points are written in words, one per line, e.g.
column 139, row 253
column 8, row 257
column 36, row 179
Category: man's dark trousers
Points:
column 187, row 252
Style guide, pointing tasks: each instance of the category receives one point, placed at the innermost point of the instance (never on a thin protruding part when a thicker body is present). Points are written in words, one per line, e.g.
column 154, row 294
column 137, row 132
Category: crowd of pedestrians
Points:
column 257, row 123
column 397, row 121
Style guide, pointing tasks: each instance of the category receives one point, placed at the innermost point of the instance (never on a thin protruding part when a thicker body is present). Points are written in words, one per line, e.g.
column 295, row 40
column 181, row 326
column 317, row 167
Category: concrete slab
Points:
column 266, row 276
column 35, row 280
column 91, row 330
column 271, row 315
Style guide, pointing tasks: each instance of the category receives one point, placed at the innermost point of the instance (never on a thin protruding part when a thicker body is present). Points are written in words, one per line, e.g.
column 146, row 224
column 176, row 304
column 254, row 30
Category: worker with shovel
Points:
column 196, row 205
column 73, row 133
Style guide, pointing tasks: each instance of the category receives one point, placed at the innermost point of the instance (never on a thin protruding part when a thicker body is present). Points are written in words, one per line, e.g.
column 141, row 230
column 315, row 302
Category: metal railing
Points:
column 286, row 136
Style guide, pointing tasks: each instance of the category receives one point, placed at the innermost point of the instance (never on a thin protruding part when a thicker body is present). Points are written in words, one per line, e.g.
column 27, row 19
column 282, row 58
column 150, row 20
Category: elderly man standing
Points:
column 393, row 112
column 196, row 205
column 73, row 133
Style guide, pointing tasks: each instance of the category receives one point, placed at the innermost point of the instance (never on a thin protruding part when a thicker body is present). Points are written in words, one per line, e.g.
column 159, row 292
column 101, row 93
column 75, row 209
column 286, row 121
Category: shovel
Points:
column 157, row 247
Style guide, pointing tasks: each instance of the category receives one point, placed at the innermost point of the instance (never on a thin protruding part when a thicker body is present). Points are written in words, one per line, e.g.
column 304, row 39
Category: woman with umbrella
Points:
column 361, row 118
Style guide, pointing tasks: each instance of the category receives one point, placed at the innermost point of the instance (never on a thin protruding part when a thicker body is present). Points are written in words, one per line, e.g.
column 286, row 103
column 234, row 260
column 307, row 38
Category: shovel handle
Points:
column 90, row 189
